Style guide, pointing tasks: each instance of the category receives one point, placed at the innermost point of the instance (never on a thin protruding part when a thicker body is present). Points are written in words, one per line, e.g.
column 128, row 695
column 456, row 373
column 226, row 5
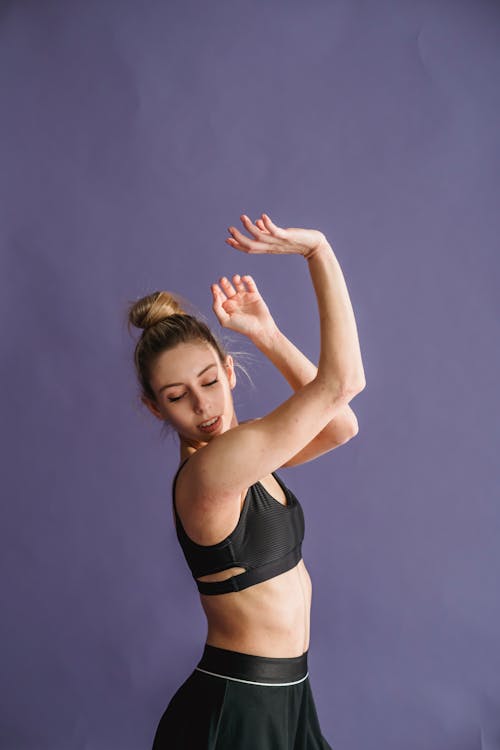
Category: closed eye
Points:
column 204, row 386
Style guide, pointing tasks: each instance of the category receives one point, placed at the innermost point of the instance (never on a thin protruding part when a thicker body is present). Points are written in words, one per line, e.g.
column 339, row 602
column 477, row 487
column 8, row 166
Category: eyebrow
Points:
column 213, row 364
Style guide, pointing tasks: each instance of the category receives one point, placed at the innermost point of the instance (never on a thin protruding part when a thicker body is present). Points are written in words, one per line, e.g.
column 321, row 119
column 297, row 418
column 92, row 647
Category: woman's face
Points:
column 192, row 386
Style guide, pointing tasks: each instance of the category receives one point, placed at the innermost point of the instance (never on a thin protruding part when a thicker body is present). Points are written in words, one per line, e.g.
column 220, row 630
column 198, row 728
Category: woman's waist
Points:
column 274, row 622
column 278, row 605
column 252, row 668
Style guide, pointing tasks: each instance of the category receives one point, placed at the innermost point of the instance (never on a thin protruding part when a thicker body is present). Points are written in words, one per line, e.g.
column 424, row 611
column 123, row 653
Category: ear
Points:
column 152, row 407
column 229, row 368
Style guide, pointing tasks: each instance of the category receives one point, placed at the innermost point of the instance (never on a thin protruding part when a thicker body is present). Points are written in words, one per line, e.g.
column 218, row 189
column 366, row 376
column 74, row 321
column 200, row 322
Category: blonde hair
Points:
column 166, row 323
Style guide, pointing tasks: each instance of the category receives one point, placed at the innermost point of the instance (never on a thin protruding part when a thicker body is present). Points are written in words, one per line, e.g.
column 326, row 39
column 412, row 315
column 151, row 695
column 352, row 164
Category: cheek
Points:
column 227, row 395
column 178, row 415
column 174, row 416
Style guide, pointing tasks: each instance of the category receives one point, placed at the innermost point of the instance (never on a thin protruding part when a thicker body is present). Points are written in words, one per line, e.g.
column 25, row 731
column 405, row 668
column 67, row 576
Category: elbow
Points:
column 355, row 428
column 356, row 386
column 341, row 392
column 348, row 436
column 352, row 388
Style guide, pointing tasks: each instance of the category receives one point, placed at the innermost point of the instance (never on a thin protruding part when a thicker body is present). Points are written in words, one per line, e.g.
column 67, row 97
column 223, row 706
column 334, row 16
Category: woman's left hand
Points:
column 240, row 307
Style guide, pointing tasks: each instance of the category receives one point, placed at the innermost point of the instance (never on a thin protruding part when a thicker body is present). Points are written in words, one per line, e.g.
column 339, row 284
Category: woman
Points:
column 238, row 524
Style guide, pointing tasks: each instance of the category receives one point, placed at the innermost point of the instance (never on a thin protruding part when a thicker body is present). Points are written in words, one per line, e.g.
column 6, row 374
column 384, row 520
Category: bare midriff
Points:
column 270, row 618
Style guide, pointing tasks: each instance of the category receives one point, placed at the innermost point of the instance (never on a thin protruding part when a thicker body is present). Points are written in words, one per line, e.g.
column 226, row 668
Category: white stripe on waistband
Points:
column 268, row 684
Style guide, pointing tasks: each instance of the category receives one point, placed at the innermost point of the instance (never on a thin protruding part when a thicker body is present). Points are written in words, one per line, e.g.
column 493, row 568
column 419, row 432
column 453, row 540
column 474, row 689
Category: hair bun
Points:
column 152, row 308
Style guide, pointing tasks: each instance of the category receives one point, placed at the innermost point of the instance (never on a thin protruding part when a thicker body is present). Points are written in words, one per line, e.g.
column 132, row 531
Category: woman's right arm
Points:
column 241, row 456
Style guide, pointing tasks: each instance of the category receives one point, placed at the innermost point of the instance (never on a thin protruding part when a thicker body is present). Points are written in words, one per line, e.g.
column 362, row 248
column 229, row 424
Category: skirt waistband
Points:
column 258, row 670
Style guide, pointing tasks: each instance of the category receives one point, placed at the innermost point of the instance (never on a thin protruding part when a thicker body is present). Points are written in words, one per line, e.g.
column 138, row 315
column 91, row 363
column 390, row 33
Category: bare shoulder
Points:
column 182, row 484
column 204, row 520
column 246, row 453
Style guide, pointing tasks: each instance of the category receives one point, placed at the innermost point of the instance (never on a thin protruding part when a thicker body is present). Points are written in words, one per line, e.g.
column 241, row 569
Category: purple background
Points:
column 132, row 134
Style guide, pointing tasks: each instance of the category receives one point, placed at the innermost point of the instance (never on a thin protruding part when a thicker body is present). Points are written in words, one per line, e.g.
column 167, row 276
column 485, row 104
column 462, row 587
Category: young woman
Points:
column 240, row 527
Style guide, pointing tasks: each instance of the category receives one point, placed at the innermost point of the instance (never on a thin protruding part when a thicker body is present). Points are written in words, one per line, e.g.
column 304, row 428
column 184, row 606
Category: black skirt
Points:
column 243, row 702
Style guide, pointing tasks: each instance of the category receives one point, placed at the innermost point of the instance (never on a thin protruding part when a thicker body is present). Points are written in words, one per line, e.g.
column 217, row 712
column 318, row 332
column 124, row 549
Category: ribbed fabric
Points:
column 266, row 541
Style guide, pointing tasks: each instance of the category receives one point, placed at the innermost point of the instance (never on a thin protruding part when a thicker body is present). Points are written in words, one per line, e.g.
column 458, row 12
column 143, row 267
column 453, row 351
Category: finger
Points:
column 218, row 298
column 251, row 285
column 261, row 226
column 240, row 238
column 248, row 245
column 238, row 283
column 218, row 292
column 273, row 228
column 250, row 226
column 227, row 286
column 230, row 241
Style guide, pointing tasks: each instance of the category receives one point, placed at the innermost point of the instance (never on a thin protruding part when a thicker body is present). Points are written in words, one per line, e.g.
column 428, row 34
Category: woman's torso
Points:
column 270, row 618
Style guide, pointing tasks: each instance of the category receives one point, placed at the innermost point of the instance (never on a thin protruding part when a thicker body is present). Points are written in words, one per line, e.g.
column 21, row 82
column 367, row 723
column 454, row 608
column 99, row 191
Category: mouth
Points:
column 212, row 425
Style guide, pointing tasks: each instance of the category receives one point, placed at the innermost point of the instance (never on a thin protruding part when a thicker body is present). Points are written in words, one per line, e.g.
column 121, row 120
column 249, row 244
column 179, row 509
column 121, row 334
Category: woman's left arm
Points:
column 240, row 307
column 298, row 370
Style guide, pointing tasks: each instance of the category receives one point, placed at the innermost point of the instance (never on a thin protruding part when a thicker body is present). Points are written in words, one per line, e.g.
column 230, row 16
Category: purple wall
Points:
column 131, row 135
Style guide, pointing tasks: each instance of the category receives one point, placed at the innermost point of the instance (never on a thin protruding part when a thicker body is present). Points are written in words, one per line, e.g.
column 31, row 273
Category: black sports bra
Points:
column 267, row 541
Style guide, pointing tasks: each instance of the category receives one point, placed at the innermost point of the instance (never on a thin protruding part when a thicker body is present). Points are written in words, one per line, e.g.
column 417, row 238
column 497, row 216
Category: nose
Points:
column 200, row 404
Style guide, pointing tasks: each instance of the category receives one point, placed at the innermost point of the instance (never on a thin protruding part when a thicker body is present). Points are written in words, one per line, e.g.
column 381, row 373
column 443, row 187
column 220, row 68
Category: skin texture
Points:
column 271, row 618
column 268, row 619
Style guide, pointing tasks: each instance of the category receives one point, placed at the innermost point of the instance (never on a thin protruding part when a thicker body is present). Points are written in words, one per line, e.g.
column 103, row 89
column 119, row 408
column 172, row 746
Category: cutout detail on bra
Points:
column 223, row 575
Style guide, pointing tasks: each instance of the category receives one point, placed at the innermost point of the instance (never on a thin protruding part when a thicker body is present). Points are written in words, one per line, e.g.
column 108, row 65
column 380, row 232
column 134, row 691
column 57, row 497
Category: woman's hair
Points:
column 165, row 324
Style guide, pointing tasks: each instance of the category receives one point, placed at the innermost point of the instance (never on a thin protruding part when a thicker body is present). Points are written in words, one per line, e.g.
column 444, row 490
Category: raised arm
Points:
column 241, row 456
column 240, row 307
column 298, row 370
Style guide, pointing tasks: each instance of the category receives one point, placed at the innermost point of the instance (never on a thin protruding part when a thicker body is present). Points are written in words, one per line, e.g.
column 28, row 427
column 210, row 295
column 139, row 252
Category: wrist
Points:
column 321, row 248
column 267, row 338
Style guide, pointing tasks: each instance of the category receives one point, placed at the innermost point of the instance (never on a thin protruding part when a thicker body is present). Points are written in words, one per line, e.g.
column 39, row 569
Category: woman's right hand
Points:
column 269, row 238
